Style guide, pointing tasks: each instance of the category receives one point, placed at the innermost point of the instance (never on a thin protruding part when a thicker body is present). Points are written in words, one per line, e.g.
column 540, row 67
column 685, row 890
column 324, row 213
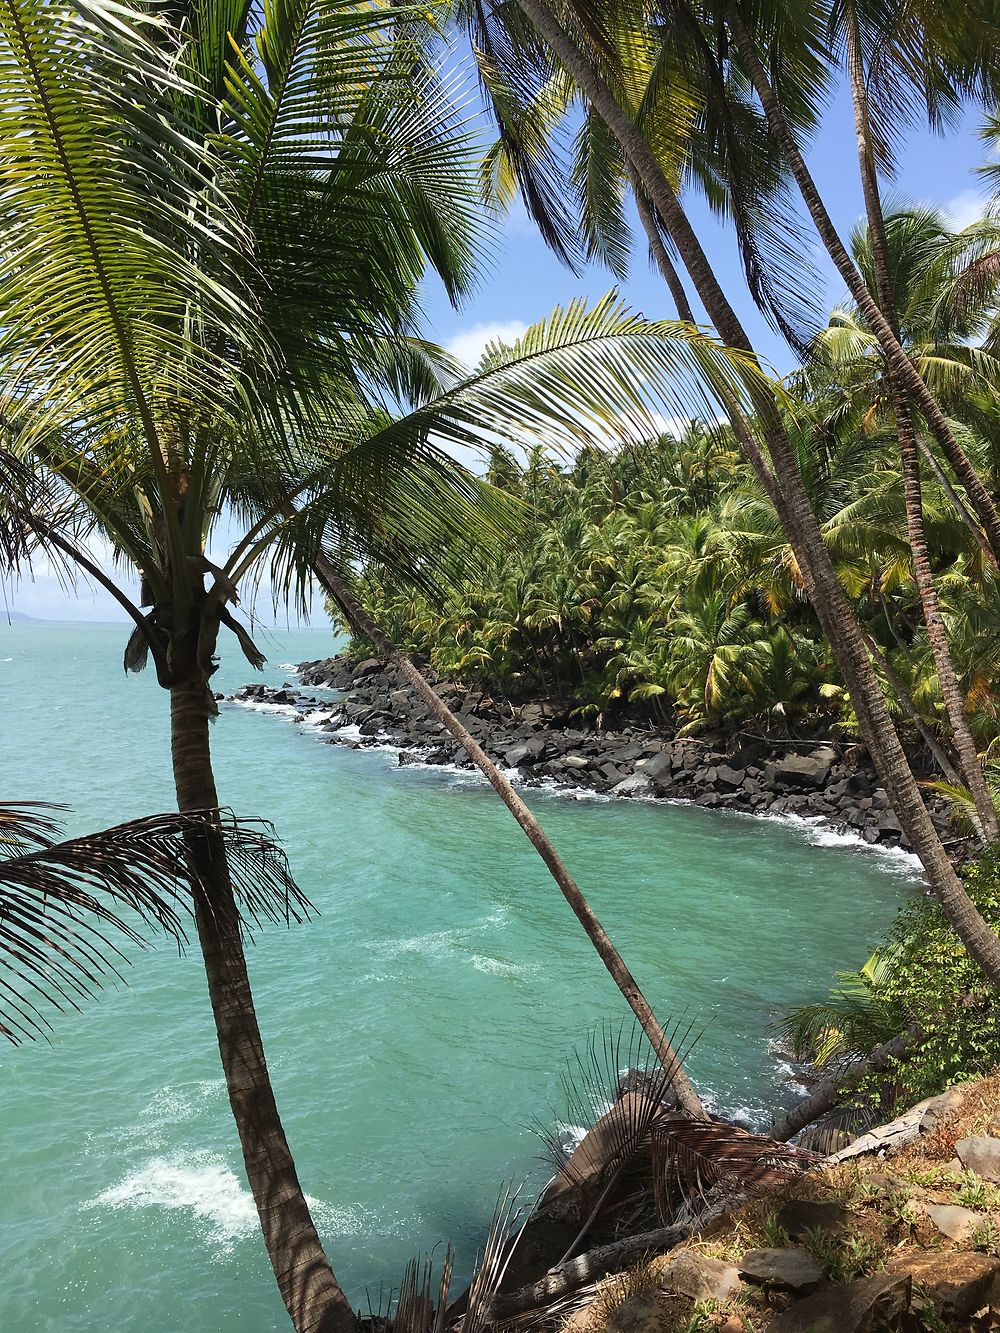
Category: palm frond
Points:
column 63, row 903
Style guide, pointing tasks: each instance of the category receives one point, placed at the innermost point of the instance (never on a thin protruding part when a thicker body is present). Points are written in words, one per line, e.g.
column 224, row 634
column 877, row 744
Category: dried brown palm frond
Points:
column 509, row 1220
column 416, row 1311
column 618, row 1085
column 62, row 902
column 690, row 1156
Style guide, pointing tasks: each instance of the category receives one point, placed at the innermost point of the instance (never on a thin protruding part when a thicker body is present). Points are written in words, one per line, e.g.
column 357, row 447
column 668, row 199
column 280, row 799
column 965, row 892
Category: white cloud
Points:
column 470, row 344
column 964, row 209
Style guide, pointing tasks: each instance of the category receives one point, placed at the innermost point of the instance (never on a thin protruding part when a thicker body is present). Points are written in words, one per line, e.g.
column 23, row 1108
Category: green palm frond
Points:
column 63, row 903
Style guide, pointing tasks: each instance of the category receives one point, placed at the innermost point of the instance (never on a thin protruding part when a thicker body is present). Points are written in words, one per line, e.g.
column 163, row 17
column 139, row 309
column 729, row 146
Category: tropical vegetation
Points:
column 216, row 220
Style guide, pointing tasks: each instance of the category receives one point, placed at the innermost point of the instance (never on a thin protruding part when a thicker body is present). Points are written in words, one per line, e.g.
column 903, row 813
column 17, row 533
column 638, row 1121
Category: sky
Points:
column 524, row 281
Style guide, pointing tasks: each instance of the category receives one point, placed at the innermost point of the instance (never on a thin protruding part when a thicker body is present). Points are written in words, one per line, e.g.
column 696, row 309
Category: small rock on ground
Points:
column 639, row 1314
column 864, row 1306
column 953, row 1221
column 698, row 1276
column 794, row 1269
column 980, row 1154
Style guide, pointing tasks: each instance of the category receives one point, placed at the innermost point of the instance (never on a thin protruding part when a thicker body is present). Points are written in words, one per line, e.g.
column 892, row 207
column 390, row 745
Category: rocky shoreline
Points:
column 823, row 779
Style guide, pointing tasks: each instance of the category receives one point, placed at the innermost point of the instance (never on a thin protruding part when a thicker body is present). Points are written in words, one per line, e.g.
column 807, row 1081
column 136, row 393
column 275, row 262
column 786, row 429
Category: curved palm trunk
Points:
column 832, row 1091
column 658, row 250
column 941, row 757
column 794, row 509
column 308, row 1287
column 338, row 589
column 899, row 363
column 951, row 692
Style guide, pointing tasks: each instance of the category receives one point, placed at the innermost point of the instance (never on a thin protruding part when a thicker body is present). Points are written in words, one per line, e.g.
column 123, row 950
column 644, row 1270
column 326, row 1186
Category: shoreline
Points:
column 828, row 783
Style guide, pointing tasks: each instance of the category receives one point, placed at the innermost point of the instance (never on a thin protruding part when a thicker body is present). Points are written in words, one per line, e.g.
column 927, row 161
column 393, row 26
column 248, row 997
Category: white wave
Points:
column 201, row 1185
column 498, row 967
column 257, row 706
column 6, row 659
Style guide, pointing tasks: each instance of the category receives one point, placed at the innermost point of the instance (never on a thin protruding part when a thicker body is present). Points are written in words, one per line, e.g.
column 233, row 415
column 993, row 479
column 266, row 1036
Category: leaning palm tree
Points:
column 531, row 47
column 215, row 219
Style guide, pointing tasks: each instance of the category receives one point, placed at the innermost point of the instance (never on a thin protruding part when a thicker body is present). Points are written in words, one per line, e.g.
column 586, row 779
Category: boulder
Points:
column 864, row 1306
column 792, row 1269
column 981, row 1154
column 400, row 699
column 533, row 715
column 689, row 1273
column 612, row 774
column 959, row 1282
column 527, row 752
column 637, row 785
column 657, row 765
column 725, row 776
column 639, row 1314
column 371, row 666
column 801, row 772
column 407, row 757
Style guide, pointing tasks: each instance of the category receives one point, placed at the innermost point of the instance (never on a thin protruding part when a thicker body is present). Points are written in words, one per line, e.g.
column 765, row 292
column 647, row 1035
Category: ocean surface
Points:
column 417, row 1029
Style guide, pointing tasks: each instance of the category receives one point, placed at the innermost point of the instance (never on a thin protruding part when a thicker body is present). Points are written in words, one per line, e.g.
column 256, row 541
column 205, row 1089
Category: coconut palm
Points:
column 215, row 223
column 576, row 46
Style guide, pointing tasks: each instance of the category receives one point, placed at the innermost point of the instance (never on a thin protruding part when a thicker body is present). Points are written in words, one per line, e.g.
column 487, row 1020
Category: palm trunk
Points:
column 794, row 509
column 951, row 692
column 308, row 1287
column 940, row 755
column 898, row 361
column 338, row 589
column 658, row 250
column 828, row 1094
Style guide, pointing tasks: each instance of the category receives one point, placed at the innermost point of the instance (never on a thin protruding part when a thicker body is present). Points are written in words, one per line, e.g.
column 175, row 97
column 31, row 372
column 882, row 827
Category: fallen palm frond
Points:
column 697, row 1154
column 61, row 902
column 617, row 1085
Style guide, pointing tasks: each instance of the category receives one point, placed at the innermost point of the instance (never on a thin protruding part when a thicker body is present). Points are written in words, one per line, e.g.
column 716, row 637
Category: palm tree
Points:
column 905, row 259
column 215, row 226
column 577, row 50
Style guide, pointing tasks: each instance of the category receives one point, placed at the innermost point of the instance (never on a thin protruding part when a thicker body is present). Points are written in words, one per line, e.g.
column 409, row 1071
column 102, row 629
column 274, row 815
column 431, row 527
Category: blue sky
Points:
column 524, row 282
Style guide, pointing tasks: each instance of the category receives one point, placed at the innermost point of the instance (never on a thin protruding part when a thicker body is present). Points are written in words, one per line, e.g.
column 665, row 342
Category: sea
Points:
column 419, row 1029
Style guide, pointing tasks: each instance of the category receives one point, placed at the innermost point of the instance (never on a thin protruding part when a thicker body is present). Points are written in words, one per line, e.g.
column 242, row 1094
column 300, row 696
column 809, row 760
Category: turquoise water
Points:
column 416, row 1029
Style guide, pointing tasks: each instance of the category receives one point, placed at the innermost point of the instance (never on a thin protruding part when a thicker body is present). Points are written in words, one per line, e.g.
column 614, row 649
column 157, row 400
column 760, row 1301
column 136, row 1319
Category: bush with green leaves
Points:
column 921, row 979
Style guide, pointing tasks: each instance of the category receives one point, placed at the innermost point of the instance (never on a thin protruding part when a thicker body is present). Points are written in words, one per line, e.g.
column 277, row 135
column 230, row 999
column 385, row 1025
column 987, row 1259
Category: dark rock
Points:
column 528, row 752
column 657, row 765
column 610, row 773
column 801, row 772
column 864, row 1306
column 371, row 666
column 401, row 699
column 798, row 1216
column 792, row 1269
column 408, row 757
column 729, row 777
